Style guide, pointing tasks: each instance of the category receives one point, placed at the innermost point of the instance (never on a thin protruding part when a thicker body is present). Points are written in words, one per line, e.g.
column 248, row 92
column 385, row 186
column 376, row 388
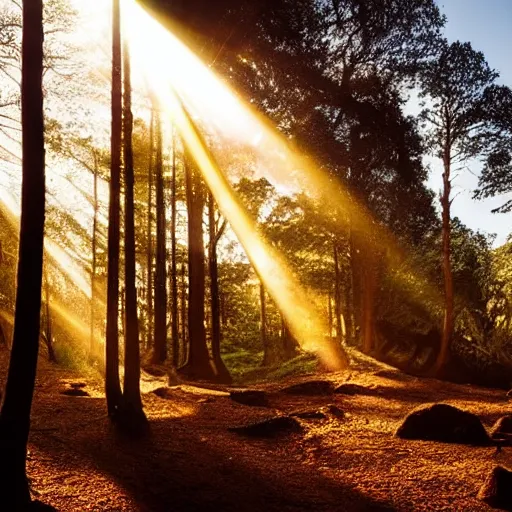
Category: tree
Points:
column 19, row 389
column 160, row 337
column 150, row 282
column 132, row 404
column 496, row 177
column 112, row 383
column 216, row 229
column 198, row 364
column 174, row 270
column 455, row 84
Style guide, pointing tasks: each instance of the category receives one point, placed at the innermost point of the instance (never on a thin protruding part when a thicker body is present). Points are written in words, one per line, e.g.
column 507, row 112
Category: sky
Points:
column 487, row 24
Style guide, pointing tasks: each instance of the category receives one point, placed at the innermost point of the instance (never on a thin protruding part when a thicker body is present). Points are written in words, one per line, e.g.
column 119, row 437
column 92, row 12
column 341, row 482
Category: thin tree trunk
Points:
column 92, row 343
column 48, row 328
column 112, row 384
column 198, row 365
column 215, row 234
column 449, row 323
column 337, row 293
column 19, row 388
column 132, row 402
column 263, row 326
column 183, row 312
column 160, row 341
column 150, row 283
column 174, row 277
column 329, row 311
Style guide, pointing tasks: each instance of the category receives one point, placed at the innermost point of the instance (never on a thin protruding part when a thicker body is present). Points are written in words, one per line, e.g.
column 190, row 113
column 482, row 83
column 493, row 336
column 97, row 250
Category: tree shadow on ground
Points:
column 185, row 465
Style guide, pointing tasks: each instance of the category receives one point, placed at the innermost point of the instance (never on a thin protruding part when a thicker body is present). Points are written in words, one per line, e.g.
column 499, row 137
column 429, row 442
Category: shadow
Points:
column 191, row 463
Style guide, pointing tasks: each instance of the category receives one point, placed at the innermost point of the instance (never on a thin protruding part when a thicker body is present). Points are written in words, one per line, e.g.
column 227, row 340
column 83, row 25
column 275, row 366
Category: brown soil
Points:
column 192, row 462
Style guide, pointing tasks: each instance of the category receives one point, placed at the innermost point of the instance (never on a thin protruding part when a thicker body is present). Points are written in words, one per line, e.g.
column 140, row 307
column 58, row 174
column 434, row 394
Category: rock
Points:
column 311, row 388
column 497, row 489
column 74, row 392
column 309, row 415
column 444, row 423
column 502, row 429
column 509, row 394
column 352, row 389
column 271, row 427
column 162, row 393
column 333, row 410
column 77, row 385
column 251, row 397
column 39, row 506
column 155, row 370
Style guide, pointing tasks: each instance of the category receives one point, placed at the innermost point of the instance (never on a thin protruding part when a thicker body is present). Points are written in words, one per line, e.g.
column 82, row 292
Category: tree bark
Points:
column 160, row 341
column 198, row 365
column 92, row 343
column 132, row 403
column 19, row 388
column 112, row 384
column 215, row 233
column 337, row 293
column 48, row 319
column 267, row 360
column 174, row 277
column 150, row 283
column 449, row 322
column 183, row 313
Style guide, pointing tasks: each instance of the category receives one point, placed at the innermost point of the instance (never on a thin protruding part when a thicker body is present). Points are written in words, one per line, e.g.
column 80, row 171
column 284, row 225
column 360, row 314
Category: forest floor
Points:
column 192, row 462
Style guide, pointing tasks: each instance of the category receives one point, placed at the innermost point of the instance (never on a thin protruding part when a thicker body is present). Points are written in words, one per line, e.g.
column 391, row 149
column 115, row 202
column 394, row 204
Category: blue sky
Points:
column 487, row 24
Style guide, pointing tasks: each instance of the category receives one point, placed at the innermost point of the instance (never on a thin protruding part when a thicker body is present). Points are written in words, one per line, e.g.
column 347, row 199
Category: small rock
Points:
column 310, row 387
column 251, row 397
column 352, row 389
column 333, row 410
column 497, row 489
column 444, row 423
column 74, row 392
column 309, row 415
column 162, row 393
column 272, row 427
column 509, row 394
column 502, row 429
column 77, row 385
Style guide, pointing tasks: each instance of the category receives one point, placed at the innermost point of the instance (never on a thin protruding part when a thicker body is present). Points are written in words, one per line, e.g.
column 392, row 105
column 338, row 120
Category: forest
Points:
column 227, row 281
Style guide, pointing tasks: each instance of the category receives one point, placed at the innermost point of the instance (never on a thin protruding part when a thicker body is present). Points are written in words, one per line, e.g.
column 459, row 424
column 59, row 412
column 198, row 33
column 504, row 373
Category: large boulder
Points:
column 310, row 388
column 497, row 489
column 444, row 423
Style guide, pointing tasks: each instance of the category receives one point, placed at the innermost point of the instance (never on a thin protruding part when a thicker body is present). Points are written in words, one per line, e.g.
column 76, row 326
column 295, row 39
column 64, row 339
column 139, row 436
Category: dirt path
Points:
column 191, row 462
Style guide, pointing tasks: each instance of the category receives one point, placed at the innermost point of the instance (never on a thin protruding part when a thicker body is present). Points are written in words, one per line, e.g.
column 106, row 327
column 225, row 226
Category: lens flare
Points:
column 212, row 101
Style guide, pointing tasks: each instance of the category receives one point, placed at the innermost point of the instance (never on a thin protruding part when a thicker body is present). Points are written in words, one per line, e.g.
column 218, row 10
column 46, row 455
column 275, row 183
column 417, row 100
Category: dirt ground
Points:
column 192, row 462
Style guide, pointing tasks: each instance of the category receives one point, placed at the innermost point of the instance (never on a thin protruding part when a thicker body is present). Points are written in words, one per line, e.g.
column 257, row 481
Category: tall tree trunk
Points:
column 150, row 282
column 19, row 388
column 337, row 293
column 48, row 319
column 112, row 384
column 132, row 403
column 289, row 343
column 449, row 322
column 183, row 312
column 94, row 238
column 369, row 289
column 160, row 341
column 198, row 365
column 329, row 312
column 357, row 283
column 267, row 359
column 215, row 233
column 174, row 277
